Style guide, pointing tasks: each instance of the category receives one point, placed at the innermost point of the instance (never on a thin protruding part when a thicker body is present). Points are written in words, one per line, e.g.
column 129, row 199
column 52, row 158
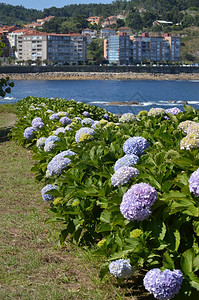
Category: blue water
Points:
column 149, row 93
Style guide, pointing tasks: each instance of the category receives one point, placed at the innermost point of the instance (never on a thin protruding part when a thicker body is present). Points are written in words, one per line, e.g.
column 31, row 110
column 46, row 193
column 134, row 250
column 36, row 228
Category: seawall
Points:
column 100, row 72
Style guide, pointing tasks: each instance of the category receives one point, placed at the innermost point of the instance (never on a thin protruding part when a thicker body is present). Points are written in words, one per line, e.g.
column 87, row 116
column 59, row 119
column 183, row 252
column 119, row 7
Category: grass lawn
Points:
column 32, row 264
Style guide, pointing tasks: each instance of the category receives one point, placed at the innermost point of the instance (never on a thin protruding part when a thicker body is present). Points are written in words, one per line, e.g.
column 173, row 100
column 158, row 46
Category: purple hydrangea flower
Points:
column 123, row 175
column 121, row 268
column 57, row 164
column 65, row 120
column 137, row 201
column 86, row 114
column 194, row 183
column 127, row 160
column 135, row 145
column 47, row 188
column 106, row 116
column 163, row 285
column 51, row 138
column 173, row 111
column 37, row 123
column 87, row 121
column 29, row 133
column 84, row 133
column 54, row 117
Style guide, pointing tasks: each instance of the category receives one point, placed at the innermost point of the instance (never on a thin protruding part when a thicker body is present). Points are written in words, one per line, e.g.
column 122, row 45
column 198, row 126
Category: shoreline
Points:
column 100, row 76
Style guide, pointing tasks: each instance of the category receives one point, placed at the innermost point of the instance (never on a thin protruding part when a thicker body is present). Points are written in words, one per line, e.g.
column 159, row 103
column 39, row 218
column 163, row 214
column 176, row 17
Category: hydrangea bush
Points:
column 148, row 215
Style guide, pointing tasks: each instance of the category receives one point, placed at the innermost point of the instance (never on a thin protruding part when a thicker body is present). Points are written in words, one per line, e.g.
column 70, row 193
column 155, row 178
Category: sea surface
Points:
column 147, row 93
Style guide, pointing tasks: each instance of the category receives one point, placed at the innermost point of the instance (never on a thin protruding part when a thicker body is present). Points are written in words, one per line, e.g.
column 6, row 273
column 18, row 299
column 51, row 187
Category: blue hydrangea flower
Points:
column 37, row 123
column 94, row 124
column 51, row 138
column 84, row 133
column 135, row 145
column 127, row 160
column 66, row 153
column 41, row 142
column 173, row 111
column 86, row 114
column 123, row 175
column 68, row 128
column 77, row 118
column 163, row 285
column 49, row 111
column 137, row 201
column 59, row 130
column 47, row 188
column 57, row 164
column 49, row 146
column 87, row 121
column 121, row 268
column 29, row 133
column 127, row 117
column 54, row 117
column 65, row 120
column 106, row 116
column 194, row 183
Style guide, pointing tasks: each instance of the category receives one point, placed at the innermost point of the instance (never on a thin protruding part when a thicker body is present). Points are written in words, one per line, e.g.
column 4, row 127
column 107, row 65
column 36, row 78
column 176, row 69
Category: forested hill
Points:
column 10, row 14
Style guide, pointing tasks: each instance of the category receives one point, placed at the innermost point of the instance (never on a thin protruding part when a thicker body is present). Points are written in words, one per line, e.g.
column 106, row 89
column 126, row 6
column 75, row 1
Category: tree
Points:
column 5, row 84
column 96, row 50
column 134, row 21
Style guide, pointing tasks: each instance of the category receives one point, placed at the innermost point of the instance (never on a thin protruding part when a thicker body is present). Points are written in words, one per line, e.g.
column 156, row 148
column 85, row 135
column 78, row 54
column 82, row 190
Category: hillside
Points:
column 10, row 14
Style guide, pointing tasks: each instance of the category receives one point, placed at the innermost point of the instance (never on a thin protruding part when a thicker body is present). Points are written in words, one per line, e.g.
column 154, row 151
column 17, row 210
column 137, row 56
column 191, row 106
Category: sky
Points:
column 41, row 4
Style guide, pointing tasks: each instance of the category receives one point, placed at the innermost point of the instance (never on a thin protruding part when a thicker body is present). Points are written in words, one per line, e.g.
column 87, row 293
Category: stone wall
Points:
column 101, row 69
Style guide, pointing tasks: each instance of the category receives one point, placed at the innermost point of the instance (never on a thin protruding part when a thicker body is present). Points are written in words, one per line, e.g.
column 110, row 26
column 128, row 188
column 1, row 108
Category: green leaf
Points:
column 105, row 216
column 177, row 239
column 187, row 261
column 168, row 262
column 102, row 227
column 194, row 281
column 189, row 108
column 196, row 227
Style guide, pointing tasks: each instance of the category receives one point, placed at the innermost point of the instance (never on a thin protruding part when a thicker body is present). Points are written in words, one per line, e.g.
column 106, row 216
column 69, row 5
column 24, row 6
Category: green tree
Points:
column 96, row 50
column 134, row 21
column 5, row 84
column 148, row 18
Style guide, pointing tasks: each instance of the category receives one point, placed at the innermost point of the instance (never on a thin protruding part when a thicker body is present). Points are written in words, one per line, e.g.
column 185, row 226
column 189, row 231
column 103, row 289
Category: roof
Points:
column 124, row 28
column 108, row 28
column 163, row 22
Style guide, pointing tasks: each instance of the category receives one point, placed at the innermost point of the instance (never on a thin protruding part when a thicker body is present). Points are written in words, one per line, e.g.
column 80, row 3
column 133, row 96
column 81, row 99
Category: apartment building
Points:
column 173, row 43
column 105, row 32
column 144, row 47
column 32, row 46
column 78, row 48
column 89, row 34
column 118, row 47
column 56, row 48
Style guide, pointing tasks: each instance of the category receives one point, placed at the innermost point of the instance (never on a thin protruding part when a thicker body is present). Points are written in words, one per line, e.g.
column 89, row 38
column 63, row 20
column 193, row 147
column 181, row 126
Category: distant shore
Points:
column 100, row 76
